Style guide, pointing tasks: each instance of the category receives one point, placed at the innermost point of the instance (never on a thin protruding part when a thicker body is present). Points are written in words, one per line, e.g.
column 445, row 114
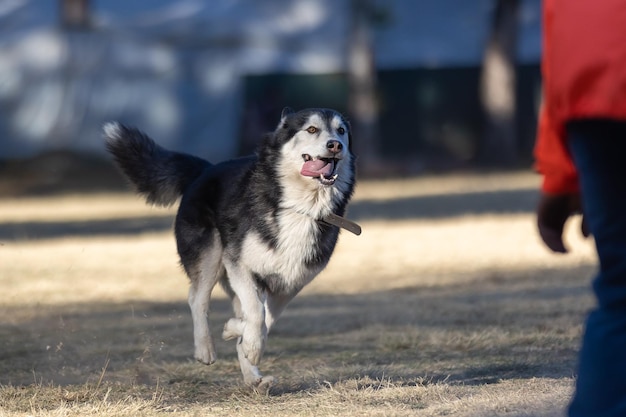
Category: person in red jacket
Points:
column 581, row 153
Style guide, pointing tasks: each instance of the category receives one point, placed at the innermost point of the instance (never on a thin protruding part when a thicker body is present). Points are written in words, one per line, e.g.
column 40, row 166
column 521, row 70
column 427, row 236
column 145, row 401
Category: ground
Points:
column 447, row 304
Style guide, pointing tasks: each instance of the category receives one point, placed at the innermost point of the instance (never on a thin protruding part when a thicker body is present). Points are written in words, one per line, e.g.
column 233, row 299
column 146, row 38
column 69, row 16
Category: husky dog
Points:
column 262, row 226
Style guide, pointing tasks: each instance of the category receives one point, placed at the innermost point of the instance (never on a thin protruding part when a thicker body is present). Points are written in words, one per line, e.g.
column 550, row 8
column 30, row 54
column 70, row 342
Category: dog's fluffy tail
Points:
column 158, row 174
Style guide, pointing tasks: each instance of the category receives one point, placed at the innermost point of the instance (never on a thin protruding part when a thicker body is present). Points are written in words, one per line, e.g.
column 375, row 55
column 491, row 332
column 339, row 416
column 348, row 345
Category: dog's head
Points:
column 315, row 145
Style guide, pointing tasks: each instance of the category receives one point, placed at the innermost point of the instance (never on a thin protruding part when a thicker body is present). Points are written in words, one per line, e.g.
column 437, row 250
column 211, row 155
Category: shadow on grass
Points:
column 34, row 230
column 446, row 205
column 524, row 325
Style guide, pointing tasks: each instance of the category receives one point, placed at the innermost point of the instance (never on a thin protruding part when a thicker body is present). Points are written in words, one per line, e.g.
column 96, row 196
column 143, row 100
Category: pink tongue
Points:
column 316, row 167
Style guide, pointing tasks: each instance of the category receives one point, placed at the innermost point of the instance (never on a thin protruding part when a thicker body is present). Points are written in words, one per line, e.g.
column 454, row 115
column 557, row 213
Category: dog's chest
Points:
column 287, row 266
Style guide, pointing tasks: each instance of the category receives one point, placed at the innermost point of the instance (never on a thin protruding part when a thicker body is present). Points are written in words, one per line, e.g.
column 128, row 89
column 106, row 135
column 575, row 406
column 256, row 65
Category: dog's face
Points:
column 315, row 146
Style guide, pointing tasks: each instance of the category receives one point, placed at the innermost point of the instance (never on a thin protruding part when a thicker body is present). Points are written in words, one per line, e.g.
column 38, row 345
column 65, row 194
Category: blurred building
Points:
column 208, row 76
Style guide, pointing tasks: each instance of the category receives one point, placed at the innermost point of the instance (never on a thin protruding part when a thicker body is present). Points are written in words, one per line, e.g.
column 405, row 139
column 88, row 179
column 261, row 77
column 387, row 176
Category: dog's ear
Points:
column 283, row 116
column 286, row 112
column 349, row 128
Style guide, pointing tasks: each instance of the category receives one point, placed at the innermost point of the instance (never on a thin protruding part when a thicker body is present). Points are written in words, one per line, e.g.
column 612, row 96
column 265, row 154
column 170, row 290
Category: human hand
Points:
column 552, row 213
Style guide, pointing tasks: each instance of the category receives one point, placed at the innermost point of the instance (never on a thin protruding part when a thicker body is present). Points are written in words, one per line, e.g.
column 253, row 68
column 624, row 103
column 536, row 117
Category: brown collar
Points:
column 343, row 223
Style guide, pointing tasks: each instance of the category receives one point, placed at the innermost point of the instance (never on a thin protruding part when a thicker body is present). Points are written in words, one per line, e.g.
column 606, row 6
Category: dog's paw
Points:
column 205, row 355
column 204, row 348
column 233, row 329
column 262, row 385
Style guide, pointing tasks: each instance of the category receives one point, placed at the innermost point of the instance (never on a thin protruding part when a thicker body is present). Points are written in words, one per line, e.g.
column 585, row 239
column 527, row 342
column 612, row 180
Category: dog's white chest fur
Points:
column 296, row 237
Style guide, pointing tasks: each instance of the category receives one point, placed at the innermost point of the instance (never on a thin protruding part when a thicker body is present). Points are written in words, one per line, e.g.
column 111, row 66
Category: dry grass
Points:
column 446, row 305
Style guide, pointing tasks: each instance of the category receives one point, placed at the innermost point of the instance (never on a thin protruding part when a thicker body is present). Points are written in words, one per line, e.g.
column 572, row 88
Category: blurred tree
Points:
column 362, row 100
column 497, row 87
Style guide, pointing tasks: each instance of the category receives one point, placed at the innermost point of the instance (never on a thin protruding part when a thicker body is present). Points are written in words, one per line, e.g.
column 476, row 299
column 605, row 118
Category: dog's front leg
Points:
column 250, row 312
column 275, row 303
column 251, row 374
column 254, row 331
column 234, row 329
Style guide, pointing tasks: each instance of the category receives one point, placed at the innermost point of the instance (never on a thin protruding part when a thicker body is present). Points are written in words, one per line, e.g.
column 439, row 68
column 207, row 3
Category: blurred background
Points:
column 428, row 85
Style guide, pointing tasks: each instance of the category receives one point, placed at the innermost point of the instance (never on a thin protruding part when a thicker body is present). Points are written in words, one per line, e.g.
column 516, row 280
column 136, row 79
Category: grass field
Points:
column 447, row 304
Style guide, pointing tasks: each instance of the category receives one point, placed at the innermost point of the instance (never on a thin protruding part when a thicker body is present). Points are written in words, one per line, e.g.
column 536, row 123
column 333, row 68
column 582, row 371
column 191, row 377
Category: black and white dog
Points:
column 263, row 226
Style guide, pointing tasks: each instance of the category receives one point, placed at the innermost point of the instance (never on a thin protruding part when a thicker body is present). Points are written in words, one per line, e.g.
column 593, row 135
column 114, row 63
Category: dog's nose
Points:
column 334, row 146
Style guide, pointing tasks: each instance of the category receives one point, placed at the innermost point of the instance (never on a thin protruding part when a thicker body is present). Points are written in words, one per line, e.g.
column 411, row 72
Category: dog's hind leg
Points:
column 204, row 276
column 199, row 300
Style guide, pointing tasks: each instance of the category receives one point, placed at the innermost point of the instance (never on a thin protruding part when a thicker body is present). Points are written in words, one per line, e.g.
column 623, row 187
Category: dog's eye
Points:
column 341, row 130
column 312, row 129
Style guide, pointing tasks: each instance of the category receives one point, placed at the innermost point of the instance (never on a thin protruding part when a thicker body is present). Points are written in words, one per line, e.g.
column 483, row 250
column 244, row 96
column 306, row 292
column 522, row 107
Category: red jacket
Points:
column 584, row 76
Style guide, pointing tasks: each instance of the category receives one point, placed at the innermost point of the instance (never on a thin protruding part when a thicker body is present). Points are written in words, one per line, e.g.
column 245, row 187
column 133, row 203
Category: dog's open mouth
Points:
column 322, row 169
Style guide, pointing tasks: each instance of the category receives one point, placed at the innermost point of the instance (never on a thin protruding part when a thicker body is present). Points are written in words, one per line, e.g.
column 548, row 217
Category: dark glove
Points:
column 552, row 212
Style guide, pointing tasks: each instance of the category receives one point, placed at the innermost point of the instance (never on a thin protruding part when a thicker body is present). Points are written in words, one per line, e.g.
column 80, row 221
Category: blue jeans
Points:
column 599, row 151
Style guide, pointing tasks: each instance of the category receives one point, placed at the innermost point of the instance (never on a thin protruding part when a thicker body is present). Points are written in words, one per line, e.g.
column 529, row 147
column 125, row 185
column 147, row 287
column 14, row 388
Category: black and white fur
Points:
column 254, row 224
